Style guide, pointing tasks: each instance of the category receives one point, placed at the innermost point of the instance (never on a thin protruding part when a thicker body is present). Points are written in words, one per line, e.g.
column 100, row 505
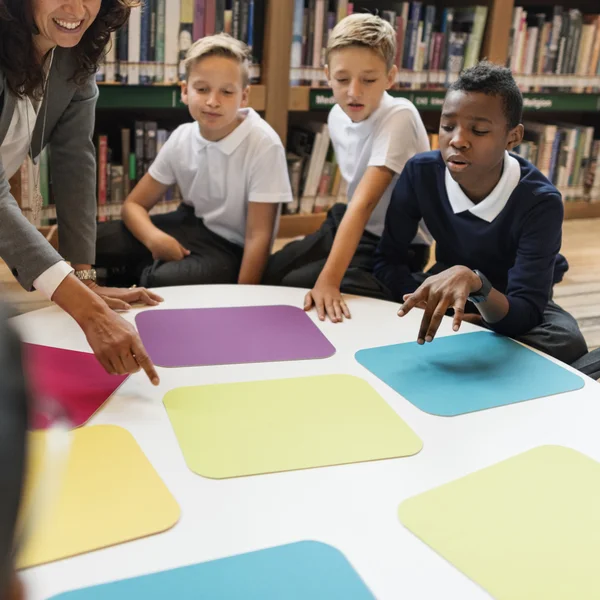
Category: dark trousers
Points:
column 127, row 261
column 589, row 364
column 557, row 335
column 299, row 263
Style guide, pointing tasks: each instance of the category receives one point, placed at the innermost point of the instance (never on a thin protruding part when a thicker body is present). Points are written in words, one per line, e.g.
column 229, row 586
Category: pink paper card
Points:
column 75, row 381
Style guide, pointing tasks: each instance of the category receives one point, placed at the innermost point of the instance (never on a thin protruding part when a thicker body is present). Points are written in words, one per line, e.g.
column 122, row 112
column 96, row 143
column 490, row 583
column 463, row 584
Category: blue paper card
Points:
column 467, row 372
column 292, row 572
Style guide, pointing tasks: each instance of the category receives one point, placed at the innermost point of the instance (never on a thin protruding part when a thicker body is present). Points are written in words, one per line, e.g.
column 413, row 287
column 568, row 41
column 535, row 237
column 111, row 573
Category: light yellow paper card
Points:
column 110, row 494
column 527, row 528
column 250, row 428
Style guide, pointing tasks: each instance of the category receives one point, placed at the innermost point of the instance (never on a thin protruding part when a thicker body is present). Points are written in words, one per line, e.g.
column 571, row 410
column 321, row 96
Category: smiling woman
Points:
column 49, row 53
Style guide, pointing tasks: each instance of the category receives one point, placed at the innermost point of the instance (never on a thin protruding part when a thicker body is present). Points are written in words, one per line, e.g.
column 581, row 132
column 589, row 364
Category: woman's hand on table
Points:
column 114, row 341
column 123, row 298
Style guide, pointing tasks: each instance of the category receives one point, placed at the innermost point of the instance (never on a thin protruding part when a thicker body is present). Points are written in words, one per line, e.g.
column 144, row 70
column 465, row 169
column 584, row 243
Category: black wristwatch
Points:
column 481, row 295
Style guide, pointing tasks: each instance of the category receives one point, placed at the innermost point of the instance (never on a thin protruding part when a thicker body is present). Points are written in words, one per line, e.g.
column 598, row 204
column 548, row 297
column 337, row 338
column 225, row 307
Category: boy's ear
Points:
column 392, row 74
column 515, row 137
column 326, row 69
column 184, row 92
column 245, row 96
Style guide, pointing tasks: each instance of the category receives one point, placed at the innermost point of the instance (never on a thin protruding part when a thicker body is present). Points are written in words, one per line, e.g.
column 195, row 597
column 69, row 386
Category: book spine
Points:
column 172, row 24
column 161, row 26
column 133, row 44
column 186, row 33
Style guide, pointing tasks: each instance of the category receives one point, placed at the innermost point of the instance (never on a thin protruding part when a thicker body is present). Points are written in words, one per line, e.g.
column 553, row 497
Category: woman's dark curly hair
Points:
column 18, row 61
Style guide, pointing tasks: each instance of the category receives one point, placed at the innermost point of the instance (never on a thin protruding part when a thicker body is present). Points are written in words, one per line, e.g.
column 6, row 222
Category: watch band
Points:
column 481, row 295
column 86, row 275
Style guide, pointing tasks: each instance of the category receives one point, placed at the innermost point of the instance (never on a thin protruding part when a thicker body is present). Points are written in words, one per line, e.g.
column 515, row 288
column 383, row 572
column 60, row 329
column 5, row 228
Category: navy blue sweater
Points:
column 518, row 251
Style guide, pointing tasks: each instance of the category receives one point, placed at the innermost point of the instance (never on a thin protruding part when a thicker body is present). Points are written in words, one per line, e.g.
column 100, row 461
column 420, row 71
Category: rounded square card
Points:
column 463, row 373
column 110, row 494
column 300, row 571
column 220, row 336
column 250, row 428
column 527, row 528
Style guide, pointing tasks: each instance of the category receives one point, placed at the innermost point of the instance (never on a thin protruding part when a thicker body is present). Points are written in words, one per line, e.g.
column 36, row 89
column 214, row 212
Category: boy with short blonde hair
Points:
column 230, row 167
column 373, row 135
column 220, row 44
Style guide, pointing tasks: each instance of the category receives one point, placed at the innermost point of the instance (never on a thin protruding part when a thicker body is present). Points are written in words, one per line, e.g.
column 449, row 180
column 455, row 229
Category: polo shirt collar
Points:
column 231, row 142
column 491, row 206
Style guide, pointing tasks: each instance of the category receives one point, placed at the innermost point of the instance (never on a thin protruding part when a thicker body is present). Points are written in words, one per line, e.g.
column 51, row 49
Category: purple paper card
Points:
column 220, row 336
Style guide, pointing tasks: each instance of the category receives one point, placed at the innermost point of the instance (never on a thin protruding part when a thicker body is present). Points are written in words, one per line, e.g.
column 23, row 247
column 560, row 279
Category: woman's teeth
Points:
column 67, row 24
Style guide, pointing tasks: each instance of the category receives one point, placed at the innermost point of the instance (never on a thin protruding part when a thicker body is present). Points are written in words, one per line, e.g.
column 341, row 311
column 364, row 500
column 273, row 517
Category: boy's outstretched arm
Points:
column 529, row 281
column 326, row 295
column 260, row 225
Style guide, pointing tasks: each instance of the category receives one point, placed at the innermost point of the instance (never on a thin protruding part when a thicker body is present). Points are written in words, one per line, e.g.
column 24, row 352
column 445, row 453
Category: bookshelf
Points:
column 305, row 98
column 120, row 97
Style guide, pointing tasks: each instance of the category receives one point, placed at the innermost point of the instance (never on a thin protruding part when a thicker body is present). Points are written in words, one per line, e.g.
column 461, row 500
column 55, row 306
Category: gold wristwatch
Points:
column 86, row 275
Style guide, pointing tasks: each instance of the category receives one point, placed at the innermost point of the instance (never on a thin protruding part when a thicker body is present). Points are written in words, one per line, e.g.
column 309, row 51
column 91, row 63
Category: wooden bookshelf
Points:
column 120, row 97
column 292, row 226
column 582, row 210
column 303, row 99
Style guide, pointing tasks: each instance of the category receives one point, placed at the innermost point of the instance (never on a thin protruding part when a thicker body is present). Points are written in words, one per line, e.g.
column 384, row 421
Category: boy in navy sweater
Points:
column 495, row 218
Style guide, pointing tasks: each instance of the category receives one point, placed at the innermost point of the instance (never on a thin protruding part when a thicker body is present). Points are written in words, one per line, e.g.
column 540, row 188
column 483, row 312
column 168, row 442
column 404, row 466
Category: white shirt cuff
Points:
column 51, row 278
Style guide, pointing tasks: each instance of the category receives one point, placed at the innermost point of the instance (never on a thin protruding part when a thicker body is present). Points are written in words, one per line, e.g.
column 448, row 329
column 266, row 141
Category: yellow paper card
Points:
column 110, row 494
column 527, row 528
column 259, row 427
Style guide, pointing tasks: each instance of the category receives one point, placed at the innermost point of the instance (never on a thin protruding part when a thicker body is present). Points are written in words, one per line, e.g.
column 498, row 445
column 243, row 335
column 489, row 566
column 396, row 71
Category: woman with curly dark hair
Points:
column 49, row 53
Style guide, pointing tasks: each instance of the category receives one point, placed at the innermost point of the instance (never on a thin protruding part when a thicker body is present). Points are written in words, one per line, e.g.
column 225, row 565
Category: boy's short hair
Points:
column 221, row 44
column 493, row 80
column 367, row 31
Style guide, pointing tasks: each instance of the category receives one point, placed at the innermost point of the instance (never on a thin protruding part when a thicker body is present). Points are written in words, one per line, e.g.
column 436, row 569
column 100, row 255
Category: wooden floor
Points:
column 579, row 293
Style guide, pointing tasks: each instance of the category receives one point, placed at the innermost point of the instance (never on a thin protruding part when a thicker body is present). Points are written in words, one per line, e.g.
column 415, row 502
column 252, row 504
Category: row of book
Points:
column 568, row 155
column 429, row 39
column 565, row 42
column 137, row 150
column 151, row 47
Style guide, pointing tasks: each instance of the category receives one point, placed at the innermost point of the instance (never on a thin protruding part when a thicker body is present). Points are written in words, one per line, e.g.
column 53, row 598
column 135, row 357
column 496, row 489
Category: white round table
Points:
column 351, row 507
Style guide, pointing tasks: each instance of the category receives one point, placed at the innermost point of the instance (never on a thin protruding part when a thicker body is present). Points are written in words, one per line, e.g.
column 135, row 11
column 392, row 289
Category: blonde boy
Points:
column 373, row 136
column 231, row 169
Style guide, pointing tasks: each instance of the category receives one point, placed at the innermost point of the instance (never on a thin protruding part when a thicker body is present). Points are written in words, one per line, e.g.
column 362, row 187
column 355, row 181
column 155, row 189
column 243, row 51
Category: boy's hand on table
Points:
column 122, row 298
column 449, row 289
column 166, row 248
column 327, row 299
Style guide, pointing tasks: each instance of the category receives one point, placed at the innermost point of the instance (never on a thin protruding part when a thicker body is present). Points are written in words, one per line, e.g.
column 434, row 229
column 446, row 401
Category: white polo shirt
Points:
column 391, row 135
column 491, row 206
column 219, row 178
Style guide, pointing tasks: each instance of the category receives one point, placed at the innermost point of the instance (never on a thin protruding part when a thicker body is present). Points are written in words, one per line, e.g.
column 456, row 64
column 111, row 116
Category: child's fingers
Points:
column 425, row 321
column 308, row 301
column 338, row 311
column 345, row 309
column 329, row 307
column 459, row 312
column 320, row 306
column 410, row 303
column 436, row 319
